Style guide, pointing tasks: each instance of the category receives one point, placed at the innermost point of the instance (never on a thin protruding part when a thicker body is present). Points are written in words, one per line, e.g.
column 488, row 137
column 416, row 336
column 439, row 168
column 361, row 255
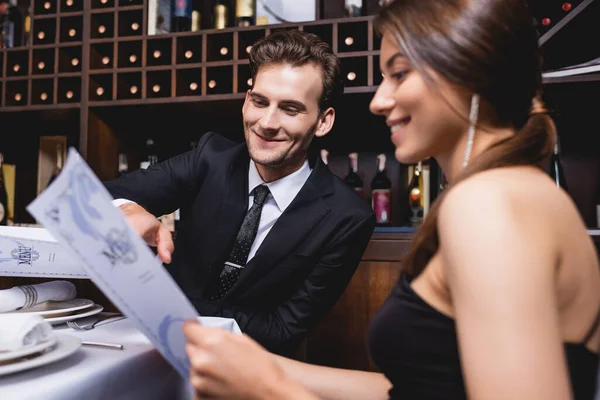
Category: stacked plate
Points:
column 58, row 347
column 58, row 312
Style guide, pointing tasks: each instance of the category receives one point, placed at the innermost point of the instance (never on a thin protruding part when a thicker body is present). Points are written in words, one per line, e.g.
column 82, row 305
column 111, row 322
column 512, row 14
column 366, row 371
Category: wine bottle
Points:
column 415, row 194
column 556, row 169
column 182, row 15
column 245, row 12
column 425, row 185
column 220, row 15
column 7, row 33
column 151, row 157
column 11, row 25
column 381, row 193
column 123, row 164
column 353, row 179
column 59, row 164
column 442, row 181
column 27, row 27
column 353, row 8
column 3, row 196
column 196, row 18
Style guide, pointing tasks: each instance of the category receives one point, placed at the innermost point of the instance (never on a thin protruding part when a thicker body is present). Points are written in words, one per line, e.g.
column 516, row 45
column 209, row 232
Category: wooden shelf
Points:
column 116, row 9
column 49, row 107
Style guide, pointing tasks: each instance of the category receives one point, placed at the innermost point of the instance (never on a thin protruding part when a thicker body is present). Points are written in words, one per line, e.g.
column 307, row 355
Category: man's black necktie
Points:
column 243, row 242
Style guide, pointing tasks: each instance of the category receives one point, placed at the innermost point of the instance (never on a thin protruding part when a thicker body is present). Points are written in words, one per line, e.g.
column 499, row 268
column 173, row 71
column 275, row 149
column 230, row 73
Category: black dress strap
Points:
column 590, row 333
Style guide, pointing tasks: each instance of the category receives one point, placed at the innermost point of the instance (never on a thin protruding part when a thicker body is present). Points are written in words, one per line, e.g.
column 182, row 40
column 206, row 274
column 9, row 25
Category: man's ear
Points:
column 325, row 122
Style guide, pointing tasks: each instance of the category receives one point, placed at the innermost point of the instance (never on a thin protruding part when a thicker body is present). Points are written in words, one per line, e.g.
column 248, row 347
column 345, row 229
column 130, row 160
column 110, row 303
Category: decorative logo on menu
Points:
column 25, row 255
column 79, row 200
column 118, row 248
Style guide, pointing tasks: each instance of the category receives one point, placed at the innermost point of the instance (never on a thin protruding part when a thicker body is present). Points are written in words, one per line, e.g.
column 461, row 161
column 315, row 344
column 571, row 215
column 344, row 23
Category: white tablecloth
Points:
column 92, row 373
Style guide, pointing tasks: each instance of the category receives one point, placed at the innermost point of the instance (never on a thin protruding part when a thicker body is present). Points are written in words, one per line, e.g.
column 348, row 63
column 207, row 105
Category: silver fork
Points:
column 91, row 324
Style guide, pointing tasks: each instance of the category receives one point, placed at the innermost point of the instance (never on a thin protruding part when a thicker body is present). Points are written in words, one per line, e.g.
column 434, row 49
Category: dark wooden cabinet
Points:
column 339, row 340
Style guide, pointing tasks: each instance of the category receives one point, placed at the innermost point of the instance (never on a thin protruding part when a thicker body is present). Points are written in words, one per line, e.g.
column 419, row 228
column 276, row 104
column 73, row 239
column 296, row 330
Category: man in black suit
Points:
column 268, row 236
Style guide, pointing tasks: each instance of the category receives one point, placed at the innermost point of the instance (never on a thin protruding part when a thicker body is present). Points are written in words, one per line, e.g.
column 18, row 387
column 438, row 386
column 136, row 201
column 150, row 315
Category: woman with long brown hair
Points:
column 500, row 294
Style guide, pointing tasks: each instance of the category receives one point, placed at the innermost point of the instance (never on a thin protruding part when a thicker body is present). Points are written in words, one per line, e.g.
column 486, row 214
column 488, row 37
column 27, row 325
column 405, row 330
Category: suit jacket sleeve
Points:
column 161, row 187
column 283, row 327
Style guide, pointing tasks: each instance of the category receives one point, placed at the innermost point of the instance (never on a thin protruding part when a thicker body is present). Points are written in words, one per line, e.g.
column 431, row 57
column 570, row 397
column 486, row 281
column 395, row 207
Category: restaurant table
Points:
column 93, row 373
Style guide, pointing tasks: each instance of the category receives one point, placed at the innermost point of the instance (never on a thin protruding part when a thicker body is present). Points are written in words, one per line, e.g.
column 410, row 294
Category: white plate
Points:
column 65, row 346
column 56, row 308
column 85, row 313
column 11, row 355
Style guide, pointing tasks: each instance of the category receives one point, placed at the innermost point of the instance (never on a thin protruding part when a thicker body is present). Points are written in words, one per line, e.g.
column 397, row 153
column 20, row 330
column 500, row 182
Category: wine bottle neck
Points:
column 381, row 163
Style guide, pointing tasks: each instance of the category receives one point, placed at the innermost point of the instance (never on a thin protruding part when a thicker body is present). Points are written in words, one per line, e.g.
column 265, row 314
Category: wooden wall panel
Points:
column 339, row 340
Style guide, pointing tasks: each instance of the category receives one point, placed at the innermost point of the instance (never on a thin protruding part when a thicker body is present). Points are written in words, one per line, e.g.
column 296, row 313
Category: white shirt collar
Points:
column 283, row 190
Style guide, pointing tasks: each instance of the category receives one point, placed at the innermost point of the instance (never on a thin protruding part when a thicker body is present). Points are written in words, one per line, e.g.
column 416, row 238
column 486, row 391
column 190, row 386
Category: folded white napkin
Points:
column 229, row 324
column 26, row 296
column 23, row 330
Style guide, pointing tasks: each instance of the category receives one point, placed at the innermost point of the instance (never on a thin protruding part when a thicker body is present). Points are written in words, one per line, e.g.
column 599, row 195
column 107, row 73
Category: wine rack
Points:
column 353, row 37
column 44, row 31
column 218, row 80
column 101, row 56
column 69, row 59
column 101, row 87
column 128, row 3
column 199, row 64
column 16, row 93
column 188, row 81
column 17, row 63
column 102, row 25
column 69, row 90
column 71, row 29
column 129, row 85
column 69, row 6
column 158, row 83
column 354, row 71
column 246, row 40
column 189, row 50
column 377, row 77
column 42, row 91
column 376, row 38
column 99, row 4
column 43, row 62
column 45, row 7
column 158, row 52
column 244, row 81
column 219, row 47
column 131, row 23
column 129, row 54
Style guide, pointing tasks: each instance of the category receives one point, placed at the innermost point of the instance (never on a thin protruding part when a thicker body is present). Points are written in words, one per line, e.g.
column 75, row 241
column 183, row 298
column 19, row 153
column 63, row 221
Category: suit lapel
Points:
column 292, row 227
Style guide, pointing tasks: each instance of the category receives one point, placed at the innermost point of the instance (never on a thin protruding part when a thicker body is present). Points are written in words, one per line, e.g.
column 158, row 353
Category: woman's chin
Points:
column 405, row 157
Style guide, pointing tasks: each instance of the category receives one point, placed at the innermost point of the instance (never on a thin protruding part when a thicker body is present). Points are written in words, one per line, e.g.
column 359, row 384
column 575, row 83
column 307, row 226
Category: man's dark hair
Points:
column 297, row 48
